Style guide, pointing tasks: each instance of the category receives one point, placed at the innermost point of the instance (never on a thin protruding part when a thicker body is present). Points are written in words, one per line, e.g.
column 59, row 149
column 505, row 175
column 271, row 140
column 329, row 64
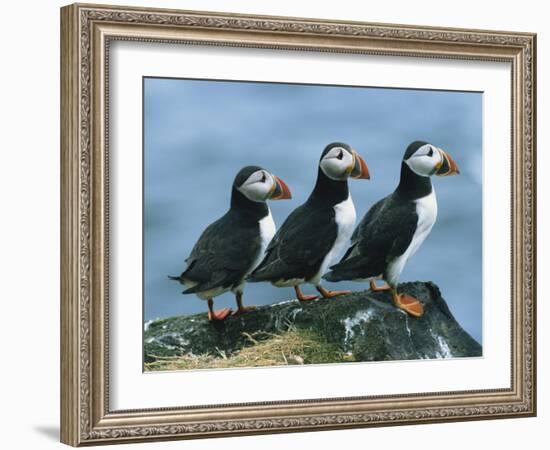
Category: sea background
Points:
column 198, row 134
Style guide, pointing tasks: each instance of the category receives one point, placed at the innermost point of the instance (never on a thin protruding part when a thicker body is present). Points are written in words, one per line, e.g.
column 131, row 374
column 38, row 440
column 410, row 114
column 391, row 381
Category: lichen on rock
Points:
column 362, row 326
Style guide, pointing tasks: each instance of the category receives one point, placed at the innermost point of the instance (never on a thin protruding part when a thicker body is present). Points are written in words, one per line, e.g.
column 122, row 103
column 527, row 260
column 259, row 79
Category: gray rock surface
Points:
column 363, row 324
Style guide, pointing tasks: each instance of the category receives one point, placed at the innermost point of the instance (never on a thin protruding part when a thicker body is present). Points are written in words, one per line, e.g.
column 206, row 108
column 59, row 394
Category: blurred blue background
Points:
column 198, row 134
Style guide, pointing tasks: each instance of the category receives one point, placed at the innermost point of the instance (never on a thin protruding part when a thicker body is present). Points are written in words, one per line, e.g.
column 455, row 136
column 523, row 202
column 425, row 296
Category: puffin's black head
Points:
column 425, row 159
column 259, row 185
column 340, row 161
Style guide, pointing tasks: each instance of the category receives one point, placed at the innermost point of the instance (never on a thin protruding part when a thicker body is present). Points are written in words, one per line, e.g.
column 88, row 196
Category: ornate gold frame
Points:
column 86, row 31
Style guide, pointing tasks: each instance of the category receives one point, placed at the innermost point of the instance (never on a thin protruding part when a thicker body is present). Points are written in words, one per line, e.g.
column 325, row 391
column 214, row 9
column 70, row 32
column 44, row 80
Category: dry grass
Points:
column 290, row 348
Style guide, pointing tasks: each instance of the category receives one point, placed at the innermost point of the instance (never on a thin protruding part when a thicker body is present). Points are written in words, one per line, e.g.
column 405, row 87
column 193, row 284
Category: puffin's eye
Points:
column 263, row 178
column 340, row 155
column 431, row 152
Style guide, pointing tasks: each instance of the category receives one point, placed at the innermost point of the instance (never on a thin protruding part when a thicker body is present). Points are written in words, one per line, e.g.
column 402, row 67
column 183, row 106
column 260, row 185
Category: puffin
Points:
column 231, row 247
column 395, row 227
column 318, row 231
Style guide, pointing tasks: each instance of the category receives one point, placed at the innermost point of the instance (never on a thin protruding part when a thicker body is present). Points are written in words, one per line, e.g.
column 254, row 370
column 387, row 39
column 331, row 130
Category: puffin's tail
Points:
column 335, row 276
column 171, row 277
column 355, row 268
column 344, row 270
column 254, row 277
column 267, row 272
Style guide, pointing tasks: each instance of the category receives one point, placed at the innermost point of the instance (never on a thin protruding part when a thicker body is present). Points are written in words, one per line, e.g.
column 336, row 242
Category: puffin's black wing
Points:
column 384, row 233
column 300, row 245
column 223, row 254
column 369, row 217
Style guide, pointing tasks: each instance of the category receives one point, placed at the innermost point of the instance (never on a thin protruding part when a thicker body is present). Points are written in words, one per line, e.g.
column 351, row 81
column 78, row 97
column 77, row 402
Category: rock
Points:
column 365, row 325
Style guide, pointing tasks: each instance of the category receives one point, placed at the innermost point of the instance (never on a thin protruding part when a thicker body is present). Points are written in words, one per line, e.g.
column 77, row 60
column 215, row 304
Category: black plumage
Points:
column 387, row 229
column 395, row 227
column 224, row 252
column 385, row 233
column 229, row 248
column 299, row 248
column 412, row 186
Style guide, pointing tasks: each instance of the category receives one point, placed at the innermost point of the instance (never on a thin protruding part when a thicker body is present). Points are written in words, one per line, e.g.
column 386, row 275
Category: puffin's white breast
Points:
column 345, row 217
column 426, row 209
column 267, row 231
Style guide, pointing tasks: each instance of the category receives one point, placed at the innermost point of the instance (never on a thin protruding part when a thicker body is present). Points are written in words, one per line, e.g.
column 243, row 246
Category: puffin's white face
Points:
column 337, row 163
column 259, row 186
column 426, row 160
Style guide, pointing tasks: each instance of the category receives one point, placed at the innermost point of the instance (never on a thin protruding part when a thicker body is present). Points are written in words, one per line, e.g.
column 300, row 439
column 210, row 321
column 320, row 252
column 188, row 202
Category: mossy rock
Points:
column 362, row 326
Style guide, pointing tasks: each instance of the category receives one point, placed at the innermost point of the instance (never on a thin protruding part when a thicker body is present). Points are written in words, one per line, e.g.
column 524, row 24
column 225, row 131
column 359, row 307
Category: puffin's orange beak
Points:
column 360, row 169
column 447, row 166
column 280, row 190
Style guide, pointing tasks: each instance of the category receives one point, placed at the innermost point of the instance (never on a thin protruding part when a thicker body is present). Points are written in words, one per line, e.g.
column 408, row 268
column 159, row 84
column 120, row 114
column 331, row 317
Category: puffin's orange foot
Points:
column 219, row 315
column 326, row 293
column 307, row 298
column 375, row 288
column 409, row 304
column 302, row 297
column 243, row 310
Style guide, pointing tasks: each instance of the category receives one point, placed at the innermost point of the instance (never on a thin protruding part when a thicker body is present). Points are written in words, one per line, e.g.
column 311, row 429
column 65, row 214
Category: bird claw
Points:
column 219, row 315
column 308, row 298
column 409, row 304
column 330, row 294
column 375, row 288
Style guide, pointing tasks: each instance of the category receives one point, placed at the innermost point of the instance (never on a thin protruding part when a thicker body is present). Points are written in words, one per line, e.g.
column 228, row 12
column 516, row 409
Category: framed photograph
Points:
column 276, row 224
